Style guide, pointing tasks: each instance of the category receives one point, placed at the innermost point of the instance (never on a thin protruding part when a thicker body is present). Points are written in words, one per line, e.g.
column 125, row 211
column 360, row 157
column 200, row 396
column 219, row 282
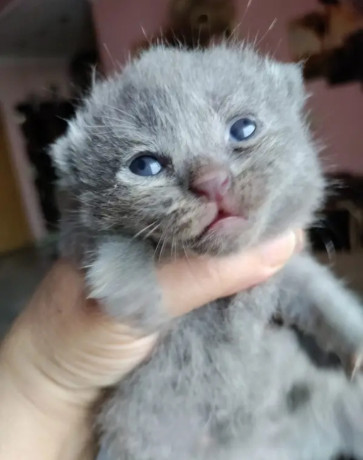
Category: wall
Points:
column 337, row 113
column 14, row 229
column 20, row 78
column 119, row 25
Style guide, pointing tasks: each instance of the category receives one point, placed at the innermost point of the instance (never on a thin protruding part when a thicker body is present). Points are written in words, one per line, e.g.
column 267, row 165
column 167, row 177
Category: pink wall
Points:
column 18, row 79
column 337, row 113
column 119, row 25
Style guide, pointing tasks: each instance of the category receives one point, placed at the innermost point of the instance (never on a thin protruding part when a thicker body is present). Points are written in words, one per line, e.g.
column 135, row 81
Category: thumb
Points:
column 188, row 284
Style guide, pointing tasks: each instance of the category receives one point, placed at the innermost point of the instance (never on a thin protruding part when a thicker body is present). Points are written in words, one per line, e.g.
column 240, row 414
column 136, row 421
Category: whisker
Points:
column 327, row 242
column 156, row 248
column 270, row 27
column 159, row 242
column 143, row 31
column 278, row 45
column 246, row 10
column 151, row 231
column 106, row 48
column 117, row 120
column 143, row 230
column 329, row 248
column 172, row 247
column 186, row 255
column 164, row 239
column 233, row 38
column 123, row 112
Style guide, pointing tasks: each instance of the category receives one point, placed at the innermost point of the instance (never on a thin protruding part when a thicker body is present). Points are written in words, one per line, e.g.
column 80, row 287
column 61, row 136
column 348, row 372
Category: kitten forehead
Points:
column 189, row 76
column 172, row 64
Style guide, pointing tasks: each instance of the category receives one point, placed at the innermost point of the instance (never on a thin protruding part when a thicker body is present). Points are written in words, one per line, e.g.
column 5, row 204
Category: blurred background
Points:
column 49, row 50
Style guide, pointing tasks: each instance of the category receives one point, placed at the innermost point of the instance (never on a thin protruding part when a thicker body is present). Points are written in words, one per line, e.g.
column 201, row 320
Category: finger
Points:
column 67, row 343
column 188, row 284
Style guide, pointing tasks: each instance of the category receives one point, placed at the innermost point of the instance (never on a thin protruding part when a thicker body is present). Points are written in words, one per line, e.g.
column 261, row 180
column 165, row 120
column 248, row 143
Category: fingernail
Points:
column 275, row 253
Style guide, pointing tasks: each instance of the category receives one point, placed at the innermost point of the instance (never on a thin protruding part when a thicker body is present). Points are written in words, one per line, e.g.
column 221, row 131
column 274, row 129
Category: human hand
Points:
column 62, row 351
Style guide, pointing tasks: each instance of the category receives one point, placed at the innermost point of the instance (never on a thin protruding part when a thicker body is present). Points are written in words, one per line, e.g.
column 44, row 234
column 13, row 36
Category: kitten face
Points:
column 202, row 150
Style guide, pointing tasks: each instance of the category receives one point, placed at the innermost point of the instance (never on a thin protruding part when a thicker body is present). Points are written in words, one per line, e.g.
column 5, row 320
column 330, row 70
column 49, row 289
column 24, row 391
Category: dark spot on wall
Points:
column 297, row 396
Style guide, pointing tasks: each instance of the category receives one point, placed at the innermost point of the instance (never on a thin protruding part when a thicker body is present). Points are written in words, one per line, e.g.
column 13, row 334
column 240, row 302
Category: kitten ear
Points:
column 295, row 83
column 59, row 154
column 63, row 152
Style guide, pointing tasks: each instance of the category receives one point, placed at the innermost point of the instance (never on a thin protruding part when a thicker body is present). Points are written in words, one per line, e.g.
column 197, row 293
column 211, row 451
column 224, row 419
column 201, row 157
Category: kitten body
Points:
column 223, row 381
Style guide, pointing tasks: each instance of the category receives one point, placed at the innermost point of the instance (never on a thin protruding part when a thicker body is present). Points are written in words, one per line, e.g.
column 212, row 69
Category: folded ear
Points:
column 64, row 152
column 59, row 155
column 295, row 83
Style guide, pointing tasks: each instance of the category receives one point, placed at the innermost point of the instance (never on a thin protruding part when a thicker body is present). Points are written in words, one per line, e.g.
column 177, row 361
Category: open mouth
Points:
column 219, row 217
column 225, row 222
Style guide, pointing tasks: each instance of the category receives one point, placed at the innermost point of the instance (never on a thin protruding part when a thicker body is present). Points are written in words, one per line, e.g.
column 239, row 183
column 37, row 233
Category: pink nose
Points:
column 212, row 183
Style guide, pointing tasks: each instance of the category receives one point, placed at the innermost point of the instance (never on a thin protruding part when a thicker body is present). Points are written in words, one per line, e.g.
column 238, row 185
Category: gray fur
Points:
column 222, row 382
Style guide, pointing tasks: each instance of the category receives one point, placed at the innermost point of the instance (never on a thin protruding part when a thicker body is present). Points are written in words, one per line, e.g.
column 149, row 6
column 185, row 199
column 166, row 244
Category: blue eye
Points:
column 146, row 165
column 242, row 129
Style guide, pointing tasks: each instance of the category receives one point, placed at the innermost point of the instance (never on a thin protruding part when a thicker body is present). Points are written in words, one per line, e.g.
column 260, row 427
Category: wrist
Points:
column 34, row 428
column 33, row 370
column 52, row 422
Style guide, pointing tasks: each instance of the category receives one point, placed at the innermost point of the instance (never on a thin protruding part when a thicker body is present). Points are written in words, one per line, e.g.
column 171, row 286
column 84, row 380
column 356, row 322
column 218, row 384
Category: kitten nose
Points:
column 212, row 183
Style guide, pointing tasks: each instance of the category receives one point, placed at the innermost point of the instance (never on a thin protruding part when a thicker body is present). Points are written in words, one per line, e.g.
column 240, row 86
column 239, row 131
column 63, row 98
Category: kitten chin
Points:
column 221, row 244
column 212, row 246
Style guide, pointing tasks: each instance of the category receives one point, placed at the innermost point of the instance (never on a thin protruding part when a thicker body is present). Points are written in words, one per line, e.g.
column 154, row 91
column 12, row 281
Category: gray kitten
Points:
column 208, row 152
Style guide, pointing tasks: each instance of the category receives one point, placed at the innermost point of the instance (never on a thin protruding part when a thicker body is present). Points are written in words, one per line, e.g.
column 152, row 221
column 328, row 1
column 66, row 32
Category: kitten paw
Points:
column 122, row 277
